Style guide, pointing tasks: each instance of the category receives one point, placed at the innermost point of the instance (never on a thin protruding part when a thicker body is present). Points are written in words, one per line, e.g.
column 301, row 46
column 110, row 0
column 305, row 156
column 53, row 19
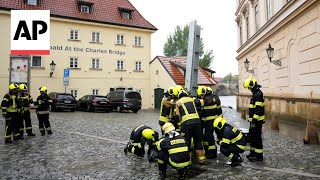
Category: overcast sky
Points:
column 216, row 17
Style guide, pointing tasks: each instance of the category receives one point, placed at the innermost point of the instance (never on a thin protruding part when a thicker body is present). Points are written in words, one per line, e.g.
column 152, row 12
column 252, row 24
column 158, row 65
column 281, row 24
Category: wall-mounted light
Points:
column 270, row 52
column 52, row 67
column 120, row 78
column 246, row 65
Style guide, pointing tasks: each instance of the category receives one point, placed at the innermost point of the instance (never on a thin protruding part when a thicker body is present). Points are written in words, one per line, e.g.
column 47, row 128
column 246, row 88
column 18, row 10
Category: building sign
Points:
column 19, row 72
column 87, row 50
column 30, row 32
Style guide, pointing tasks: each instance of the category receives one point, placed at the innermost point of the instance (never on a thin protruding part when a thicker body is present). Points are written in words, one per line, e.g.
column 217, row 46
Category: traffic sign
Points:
column 66, row 81
column 66, row 73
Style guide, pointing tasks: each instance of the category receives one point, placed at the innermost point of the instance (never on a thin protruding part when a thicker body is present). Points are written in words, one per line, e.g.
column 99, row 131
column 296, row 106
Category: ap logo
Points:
column 30, row 32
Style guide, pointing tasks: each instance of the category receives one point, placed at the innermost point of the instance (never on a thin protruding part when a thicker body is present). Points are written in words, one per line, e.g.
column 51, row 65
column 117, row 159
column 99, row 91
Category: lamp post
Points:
column 246, row 65
column 270, row 52
column 52, row 67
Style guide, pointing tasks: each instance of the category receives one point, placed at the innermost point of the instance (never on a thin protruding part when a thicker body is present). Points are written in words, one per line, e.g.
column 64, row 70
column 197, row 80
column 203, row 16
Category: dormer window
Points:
column 125, row 13
column 85, row 9
column 33, row 2
column 85, row 6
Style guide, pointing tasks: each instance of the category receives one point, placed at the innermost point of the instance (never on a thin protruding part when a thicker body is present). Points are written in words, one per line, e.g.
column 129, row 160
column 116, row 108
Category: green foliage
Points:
column 177, row 45
column 230, row 78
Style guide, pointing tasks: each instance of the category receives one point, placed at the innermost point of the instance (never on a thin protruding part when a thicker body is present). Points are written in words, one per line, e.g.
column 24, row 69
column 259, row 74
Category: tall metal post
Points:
column 191, row 78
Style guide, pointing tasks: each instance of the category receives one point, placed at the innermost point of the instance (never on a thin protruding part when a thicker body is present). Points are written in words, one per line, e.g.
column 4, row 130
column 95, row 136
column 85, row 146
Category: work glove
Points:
column 153, row 155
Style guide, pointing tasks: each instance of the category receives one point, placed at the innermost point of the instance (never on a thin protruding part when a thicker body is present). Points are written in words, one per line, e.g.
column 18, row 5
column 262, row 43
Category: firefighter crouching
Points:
column 190, row 124
column 11, row 106
column 167, row 107
column 138, row 138
column 232, row 142
column 173, row 150
column 26, row 101
column 43, row 102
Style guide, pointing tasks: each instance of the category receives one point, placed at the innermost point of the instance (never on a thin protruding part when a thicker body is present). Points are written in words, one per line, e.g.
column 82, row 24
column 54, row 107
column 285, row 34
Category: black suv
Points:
column 62, row 101
column 125, row 100
column 94, row 103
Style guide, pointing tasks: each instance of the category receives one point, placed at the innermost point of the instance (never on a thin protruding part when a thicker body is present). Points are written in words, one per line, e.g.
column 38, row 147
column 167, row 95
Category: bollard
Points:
column 243, row 114
column 274, row 123
column 312, row 133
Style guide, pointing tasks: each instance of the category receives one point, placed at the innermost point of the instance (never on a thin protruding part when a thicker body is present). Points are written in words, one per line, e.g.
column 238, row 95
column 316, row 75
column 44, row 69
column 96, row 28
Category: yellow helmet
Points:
column 172, row 91
column 23, row 87
column 182, row 94
column 43, row 89
column 167, row 127
column 219, row 123
column 148, row 133
column 201, row 91
column 179, row 88
column 209, row 89
column 13, row 86
column 249, row 83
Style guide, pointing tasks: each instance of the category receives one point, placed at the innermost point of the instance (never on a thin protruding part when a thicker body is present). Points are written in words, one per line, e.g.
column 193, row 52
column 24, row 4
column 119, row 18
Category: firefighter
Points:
column 10, row 111
column 167, row 107
column 211, row 109
column 256, row 119
column 232, row 142
column 179, row 88
column 138, row 138
column 43, row 104
column 26, row 101
column 173, row 150
column 190, row 124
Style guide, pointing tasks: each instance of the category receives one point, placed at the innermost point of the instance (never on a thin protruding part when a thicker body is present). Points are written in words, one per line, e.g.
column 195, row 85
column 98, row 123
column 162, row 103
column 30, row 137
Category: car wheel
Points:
column 72, row 110
column 88, row 108
column 135, row 111
column 119, row 109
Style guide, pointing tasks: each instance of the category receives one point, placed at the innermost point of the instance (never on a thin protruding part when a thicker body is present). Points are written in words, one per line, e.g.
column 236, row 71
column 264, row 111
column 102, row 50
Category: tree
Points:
column 230, row 78
column 177, row 45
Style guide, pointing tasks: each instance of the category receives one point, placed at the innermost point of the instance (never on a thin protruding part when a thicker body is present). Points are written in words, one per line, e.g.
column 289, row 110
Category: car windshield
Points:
column 65, row 97
column 133, row 95
column 103, row 98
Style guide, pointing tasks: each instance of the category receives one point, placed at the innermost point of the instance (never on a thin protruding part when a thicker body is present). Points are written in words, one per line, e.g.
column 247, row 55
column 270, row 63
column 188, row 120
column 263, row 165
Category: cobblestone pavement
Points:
column 90, row 146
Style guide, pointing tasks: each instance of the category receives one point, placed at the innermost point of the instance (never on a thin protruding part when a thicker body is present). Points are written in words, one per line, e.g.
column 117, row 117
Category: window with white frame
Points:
column 36, row 61
column 74, row 93
column 95, row 37
column 137, row 41
column 95, row 91
column 125, row 15
column 120, row 65
column 269, row 9
column 74, row 62
column 240, row 31
column 85, row 9
column 74, row 34
column 33, row 2
column 247, row 26
column 257, row 17
column 138, row 66
column 95, row 63
column 120, row 39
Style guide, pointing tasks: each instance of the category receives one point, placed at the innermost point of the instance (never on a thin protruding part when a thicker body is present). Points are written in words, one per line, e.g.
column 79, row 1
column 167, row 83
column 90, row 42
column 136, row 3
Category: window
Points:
column 269, row 9
column 112, row 89
column 120, row 39
column 36, row 61
column 73, row 62
column 95, row 37
column 95, row 91
column 248, row 28
column 85, row 9
column 137, row 41
column 125, row 15
column 74, row 35
column 138, row 66
column 32, row 2
column 120, row 65
column 256, row 16
column 74, row 93
column 95, row 63
column 240, row 29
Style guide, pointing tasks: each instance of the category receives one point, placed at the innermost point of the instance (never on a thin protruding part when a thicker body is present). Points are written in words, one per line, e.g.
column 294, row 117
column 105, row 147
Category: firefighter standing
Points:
column 43, row 102
column 190, row 124
column 256, row 119
column 26, row 101
column 138, row 138
column 173, row 150
column 167, row 107
column 10, row 111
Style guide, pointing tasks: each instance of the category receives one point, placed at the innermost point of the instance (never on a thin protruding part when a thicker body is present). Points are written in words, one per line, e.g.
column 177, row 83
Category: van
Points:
column 125, row 100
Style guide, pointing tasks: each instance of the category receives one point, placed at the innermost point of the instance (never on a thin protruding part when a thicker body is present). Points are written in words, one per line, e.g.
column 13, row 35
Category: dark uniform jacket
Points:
column 230, row 135
column 256, row 107
column 167, row 110
column 186, row 110
column 10, row 104
column 26, row 101
column 137, row 138
column 177, row 149
column 43, row 103
column 210, row 106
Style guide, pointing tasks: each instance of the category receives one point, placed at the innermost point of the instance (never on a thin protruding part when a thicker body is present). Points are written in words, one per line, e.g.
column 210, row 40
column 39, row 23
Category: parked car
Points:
column 125, row 100
column 93, row 103
column 62, row 101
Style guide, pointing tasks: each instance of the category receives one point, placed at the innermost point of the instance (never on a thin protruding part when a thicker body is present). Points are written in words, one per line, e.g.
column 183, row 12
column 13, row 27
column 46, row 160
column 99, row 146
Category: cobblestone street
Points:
column 90, row 146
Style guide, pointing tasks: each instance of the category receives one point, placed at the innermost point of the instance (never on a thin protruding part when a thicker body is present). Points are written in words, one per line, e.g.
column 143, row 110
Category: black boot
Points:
column 8, row 141
column 21, row 137
column 182, row 174
column 211, row 154
column 257, row 157
column 31, row 134
column 236, row 160
column 49, row 132
column 43, row 133
column 162, row 175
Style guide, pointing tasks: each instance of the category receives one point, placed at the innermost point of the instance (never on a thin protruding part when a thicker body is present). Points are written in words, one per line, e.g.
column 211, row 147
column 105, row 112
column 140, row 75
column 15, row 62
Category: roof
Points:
column 104, row 11
column 173, row 64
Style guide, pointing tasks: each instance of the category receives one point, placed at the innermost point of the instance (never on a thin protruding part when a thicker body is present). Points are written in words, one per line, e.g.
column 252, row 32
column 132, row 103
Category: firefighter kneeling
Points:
column 232, row 142
column 173, row 150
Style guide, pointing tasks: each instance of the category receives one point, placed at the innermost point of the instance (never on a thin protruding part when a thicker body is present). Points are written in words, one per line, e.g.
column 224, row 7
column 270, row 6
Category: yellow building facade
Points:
column 101, row 57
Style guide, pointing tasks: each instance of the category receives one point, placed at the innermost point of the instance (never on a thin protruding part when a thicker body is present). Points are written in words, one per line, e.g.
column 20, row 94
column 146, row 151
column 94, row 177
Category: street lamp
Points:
column 246, row 65
column 52, row 67
column 270, row 52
